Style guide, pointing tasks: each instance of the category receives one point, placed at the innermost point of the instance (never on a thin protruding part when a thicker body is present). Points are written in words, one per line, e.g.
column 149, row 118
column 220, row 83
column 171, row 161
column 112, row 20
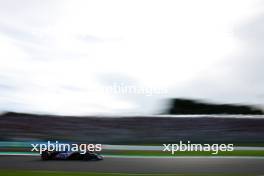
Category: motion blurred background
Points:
column 131, row 72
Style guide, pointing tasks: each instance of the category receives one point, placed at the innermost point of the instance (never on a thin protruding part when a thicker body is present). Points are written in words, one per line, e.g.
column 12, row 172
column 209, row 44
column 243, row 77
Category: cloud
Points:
column 56, row 54
column 238, row 78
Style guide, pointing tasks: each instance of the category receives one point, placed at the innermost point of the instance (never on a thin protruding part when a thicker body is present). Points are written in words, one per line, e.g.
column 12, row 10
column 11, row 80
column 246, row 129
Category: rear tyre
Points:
column 45, row 156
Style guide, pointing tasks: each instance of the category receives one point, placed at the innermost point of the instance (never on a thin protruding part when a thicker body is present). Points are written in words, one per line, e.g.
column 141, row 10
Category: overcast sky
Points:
column 59, row 57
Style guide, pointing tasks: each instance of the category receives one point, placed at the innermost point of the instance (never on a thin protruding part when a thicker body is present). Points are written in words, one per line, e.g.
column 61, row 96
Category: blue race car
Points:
column 67, row 155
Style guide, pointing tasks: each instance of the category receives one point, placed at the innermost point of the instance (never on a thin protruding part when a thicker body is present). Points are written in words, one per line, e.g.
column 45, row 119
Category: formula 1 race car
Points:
column 66, row 155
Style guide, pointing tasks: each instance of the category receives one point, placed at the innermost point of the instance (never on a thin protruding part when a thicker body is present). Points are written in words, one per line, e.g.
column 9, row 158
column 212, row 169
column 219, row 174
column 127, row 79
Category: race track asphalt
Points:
column 139, row 165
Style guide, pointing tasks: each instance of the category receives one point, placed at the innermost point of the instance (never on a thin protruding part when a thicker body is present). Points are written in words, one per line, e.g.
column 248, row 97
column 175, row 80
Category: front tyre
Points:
column 45, row 156
column 99, row 157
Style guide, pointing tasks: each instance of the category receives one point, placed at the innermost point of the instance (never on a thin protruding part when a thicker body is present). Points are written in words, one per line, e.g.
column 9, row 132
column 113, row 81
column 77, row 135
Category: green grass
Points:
column 51, row 173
